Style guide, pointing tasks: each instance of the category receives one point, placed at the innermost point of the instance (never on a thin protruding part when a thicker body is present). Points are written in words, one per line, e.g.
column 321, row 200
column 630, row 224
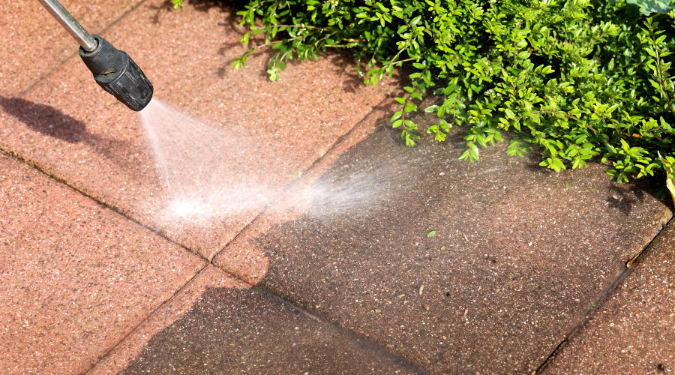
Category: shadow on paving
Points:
column 341, row 60
column 49, row 121
column 519, row 255
column 247, row 331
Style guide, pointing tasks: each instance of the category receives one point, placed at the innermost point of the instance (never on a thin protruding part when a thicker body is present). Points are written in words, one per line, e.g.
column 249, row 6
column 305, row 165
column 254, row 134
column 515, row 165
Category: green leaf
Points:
column 244, row 39
column 409, row 107
column 445, row 126
column 177, row 4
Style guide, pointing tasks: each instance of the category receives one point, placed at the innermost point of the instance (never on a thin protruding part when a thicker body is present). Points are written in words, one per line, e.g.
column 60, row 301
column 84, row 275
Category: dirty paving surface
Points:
column 518, row 257
column 632, row 332
column 248, row 331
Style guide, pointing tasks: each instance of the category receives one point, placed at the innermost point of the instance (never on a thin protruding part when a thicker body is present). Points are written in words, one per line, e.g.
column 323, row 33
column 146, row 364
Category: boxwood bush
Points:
column 572, row 80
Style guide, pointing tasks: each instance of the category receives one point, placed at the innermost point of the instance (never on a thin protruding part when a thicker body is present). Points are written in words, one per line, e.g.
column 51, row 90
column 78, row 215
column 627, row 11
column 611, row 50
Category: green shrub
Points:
column 572, row 79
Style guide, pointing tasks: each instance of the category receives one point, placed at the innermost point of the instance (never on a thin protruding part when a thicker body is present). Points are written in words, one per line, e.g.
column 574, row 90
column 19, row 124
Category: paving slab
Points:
column 238, row 330
column 35, row 43
column 268, row 132
column 132, row 346
column 76, row 277
column 458, row 267
column 632, row 331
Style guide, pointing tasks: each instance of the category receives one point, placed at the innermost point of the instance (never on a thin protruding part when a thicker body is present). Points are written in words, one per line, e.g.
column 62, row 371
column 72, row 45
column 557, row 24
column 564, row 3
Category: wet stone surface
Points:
column 269, row 132
column 247, row 331
column 518, row 256
column 632, row 332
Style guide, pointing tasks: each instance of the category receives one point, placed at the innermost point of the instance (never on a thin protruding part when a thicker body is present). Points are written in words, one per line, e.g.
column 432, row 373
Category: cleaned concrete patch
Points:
column 232, row 331
column 632, row 333
column 459, row 267
column 76, row 277
column 273, row 132
column 34, row 42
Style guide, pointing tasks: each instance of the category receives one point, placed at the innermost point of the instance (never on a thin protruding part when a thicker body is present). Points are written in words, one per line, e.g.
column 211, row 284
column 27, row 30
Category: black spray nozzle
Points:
column 118, row 74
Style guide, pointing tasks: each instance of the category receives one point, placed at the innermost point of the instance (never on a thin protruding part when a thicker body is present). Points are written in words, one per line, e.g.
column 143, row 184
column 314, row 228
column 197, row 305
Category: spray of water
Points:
column 212, row 175
column 354, row 190
column 204, row 168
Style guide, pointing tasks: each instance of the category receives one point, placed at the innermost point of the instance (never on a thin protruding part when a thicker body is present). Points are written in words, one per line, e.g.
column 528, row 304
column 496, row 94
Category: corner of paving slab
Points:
column 77, row 276
column 518, row 257
column 631, row 331
column 124, row 353
column 248, row 330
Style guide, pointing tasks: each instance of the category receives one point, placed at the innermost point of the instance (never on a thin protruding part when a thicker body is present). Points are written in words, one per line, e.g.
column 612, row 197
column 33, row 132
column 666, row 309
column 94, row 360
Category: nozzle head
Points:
column 118, row 74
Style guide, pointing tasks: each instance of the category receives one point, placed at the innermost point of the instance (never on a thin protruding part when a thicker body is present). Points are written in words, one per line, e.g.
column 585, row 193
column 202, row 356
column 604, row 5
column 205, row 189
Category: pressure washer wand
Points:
column 113, row 69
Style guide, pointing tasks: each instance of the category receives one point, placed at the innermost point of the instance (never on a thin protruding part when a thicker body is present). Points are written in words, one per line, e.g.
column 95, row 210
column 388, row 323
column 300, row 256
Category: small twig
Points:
column 566, row 115
column 301, row 25
column 254, row 49
column 406, row 60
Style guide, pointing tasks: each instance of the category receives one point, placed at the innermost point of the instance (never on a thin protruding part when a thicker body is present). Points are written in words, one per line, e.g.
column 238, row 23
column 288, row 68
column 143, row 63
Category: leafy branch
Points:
column 577, row 78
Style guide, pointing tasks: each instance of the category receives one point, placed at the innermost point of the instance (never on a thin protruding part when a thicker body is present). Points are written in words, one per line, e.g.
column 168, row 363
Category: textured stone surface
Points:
column 76, row 277
column 518, row 256
column 232, row 331
column 250, row 263
column 71, row 128
column 130, row 348
column 632, row 332
column 35, row 43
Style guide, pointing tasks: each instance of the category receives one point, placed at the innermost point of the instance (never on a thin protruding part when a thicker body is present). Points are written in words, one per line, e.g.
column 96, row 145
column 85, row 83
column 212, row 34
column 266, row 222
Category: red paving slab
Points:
column 216, row 325
column 131, row 347
column 35, row 43
column 76, row 277
column 267, row 133
column 633, row 331
column 518, row 257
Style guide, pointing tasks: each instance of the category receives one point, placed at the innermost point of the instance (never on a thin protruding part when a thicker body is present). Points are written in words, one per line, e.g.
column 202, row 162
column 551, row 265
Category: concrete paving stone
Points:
column 459, row 267
column 270, row 131
column 76, row 277
column 250, row 263
column 34, row 43
column 236, row 330
column 632, row 332
column 132, row 345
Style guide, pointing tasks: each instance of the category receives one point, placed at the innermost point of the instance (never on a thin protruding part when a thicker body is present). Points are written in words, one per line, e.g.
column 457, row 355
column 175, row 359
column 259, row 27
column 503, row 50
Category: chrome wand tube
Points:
column 113, row 69
column 70, row 24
